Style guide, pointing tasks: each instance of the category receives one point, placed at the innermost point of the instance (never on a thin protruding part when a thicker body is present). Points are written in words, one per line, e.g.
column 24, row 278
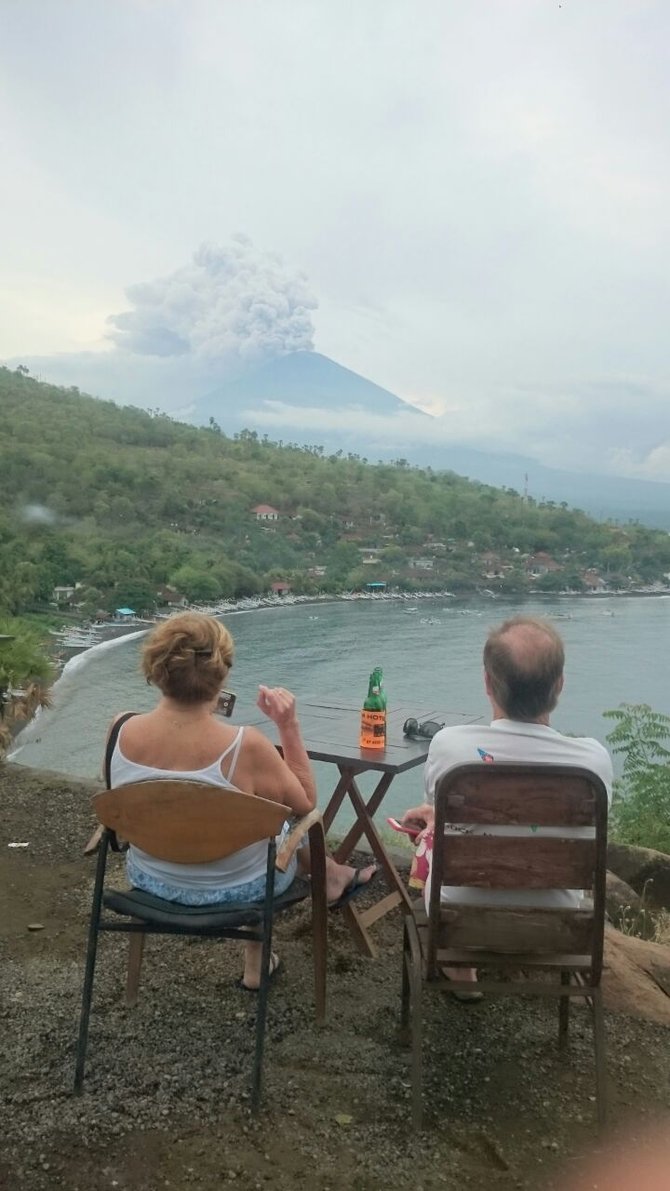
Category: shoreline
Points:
column 111, row 634
column 115, row 631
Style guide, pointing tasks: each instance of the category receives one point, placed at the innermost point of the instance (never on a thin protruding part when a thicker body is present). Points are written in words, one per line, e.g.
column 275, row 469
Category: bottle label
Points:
column 373, row 730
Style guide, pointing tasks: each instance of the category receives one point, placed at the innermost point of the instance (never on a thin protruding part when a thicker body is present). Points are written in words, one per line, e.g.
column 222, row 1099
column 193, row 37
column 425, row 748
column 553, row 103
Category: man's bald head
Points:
column 524, row 660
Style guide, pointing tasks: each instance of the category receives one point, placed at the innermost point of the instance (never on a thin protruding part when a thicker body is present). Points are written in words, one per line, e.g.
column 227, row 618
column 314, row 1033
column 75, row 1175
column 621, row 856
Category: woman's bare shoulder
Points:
column 119, row 716
column 254, row 739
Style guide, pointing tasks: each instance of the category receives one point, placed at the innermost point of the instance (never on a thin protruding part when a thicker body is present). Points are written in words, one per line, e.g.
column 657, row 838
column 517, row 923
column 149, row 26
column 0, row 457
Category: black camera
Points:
column 424, row 731
column 225, row 703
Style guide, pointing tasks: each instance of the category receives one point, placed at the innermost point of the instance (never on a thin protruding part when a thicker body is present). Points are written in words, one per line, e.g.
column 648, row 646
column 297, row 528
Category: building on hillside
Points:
column 280, row 588
column 171, row 597
column 316, row 572
column 541, row 564
column 593, row 581
column 266, row 513
column 421, row 564
column 124, row 614
column 376, row 587
column 492, row 567
column 64, row 593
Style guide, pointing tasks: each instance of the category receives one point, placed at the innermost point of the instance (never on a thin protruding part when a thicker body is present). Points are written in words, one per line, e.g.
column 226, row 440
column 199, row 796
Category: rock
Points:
column 636, row 977
column 644, row 869
column 619, row 896
column 35, row 926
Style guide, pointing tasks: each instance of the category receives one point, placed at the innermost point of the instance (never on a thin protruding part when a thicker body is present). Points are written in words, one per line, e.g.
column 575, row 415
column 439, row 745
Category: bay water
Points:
column 616, row 649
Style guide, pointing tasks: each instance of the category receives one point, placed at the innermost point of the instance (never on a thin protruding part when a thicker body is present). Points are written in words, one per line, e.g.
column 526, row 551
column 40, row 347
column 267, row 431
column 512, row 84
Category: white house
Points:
column 266, row 513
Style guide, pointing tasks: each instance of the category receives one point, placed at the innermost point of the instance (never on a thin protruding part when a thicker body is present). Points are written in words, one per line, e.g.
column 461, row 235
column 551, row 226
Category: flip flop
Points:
column 352, row 890
column 462, row 994
column 275, row 967
column 466, row 997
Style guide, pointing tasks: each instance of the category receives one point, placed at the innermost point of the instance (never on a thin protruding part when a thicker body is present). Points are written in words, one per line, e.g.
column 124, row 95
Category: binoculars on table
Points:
column 424, row 731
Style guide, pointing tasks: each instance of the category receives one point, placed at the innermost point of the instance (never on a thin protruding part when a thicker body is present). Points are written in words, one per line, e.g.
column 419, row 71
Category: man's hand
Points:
column 278, row 705
column 422, row 816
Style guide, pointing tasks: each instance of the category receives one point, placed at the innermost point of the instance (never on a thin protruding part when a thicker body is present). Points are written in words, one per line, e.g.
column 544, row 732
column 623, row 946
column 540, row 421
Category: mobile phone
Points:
column 411, row 829
column 225, row 703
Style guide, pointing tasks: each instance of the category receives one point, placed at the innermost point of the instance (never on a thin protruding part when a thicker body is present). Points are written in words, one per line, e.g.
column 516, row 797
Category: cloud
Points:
column 586, row 440
column 230, row 303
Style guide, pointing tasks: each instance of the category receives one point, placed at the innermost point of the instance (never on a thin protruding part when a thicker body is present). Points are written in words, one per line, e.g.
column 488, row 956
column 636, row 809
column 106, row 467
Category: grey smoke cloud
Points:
column 230, row 303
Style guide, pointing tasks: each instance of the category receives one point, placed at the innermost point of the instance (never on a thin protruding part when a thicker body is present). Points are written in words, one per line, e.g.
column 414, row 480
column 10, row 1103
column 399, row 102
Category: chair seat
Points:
column 156, row 911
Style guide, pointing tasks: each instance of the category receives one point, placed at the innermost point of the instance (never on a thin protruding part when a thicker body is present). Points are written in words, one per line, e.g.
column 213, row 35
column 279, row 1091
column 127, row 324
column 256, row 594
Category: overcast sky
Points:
column 475, row 193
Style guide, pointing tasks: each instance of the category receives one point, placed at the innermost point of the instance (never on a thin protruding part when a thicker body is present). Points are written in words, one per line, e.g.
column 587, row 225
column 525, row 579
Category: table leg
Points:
column 369, row 809
column 376, row 843
column 359, row 921
column 336, row 800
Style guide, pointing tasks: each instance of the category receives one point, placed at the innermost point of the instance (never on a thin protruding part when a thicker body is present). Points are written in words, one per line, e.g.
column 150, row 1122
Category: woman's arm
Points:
column 290, row 780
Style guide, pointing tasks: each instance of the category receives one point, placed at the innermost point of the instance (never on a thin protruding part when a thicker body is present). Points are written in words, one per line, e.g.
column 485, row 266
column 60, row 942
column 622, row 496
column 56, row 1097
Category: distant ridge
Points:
column 309, row 380
column 304, row 379
column 605, row 497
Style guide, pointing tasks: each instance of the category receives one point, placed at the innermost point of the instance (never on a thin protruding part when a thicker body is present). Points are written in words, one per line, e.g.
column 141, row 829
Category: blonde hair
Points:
column 188, row 657
column 524, row 660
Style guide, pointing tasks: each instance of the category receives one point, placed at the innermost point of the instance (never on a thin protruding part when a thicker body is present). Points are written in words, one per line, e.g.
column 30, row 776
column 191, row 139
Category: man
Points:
column 523, row 677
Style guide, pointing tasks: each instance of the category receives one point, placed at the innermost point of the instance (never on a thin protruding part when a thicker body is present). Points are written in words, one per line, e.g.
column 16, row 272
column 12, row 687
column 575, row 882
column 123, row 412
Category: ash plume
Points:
column 231, row 303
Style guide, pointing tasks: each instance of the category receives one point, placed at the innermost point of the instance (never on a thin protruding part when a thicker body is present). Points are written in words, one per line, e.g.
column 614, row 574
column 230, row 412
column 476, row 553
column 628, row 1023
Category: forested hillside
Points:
column 123, row 502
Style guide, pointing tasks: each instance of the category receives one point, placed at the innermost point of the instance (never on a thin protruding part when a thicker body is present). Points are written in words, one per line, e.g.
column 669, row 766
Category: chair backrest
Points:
column 187, row 822
column 520, row 801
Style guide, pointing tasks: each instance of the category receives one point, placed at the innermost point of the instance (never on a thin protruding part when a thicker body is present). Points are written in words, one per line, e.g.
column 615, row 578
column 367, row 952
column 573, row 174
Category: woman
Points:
column 188, row 658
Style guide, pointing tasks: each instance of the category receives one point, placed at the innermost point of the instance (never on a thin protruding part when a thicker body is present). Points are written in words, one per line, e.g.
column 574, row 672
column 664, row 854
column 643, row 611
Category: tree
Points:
column 641, row 809
column 23, row 663
column 196, row 584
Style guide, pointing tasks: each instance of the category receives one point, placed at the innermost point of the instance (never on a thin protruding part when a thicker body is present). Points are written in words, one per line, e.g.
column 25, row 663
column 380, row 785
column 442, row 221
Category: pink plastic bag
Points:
column 422, row 860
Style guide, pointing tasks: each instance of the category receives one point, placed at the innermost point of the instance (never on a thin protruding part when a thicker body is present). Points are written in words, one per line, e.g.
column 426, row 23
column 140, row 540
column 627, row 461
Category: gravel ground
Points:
column 165, row 1100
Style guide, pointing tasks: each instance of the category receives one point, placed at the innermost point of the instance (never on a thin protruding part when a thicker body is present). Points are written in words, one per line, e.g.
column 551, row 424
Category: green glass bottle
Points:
column 373, row 715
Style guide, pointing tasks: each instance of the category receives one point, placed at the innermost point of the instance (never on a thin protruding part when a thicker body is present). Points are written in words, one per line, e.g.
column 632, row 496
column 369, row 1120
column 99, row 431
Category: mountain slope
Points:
column 602, row 496
column 304, row 379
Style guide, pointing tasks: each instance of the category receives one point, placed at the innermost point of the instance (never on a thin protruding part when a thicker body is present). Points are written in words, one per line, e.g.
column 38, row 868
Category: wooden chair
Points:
column 519, row 941
column 192, row 823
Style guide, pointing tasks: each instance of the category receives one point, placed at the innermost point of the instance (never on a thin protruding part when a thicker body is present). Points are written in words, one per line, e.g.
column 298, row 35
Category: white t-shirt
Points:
column 514, row 742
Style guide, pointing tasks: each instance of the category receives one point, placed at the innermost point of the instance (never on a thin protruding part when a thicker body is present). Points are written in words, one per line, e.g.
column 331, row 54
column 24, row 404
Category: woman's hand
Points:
column 278, row 705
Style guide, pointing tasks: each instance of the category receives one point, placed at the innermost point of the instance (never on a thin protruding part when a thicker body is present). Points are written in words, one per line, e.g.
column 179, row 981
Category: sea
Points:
column 616, row 651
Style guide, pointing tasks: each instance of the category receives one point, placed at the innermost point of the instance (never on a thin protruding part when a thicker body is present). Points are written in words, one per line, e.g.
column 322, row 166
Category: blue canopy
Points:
column 125, row 612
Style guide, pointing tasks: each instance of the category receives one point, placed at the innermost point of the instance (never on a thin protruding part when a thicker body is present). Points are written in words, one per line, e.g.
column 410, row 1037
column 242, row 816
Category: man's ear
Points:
column 487, row 683
column 560, row 683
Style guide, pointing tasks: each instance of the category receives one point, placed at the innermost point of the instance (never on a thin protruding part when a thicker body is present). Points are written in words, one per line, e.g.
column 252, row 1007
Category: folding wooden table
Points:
column 331, row 734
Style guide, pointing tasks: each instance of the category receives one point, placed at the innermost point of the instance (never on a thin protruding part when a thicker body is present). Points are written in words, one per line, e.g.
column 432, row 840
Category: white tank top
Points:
column 237, row 869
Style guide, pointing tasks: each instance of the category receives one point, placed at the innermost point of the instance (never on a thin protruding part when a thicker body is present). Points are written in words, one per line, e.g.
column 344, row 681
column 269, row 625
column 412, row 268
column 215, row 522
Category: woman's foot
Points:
column 342, row 877
column 251, row 979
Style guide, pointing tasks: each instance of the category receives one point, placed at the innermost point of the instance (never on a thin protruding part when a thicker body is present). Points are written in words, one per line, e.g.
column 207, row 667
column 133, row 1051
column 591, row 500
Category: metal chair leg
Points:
column 89, row 973
column 135, row 953
column 417, row 1040
column 319, row 919
column 414, row 978
column 600, row 1056
column 266, row 954
column 404, row 992
column 563, row 1014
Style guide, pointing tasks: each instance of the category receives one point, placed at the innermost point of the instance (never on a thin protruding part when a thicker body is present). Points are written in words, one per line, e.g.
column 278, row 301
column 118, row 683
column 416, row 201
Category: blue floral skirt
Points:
column 249, row 891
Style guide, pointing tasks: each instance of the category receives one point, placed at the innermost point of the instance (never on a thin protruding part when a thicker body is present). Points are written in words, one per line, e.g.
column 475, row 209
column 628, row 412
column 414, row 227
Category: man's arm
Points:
column 423, row 816
column 425, row 813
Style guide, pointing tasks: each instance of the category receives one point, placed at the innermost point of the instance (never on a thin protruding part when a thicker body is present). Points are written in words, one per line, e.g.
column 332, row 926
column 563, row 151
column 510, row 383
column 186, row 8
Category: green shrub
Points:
column 641, row 807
